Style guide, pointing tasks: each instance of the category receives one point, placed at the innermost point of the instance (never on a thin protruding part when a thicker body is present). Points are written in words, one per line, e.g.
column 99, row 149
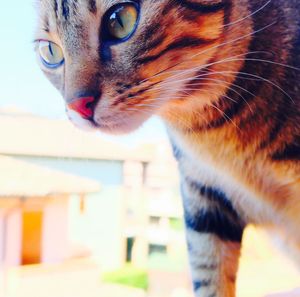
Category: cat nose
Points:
column 83, row 105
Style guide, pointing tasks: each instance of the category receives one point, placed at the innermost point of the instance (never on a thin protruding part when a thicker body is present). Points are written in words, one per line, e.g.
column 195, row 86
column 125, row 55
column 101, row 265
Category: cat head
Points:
column 117, row 62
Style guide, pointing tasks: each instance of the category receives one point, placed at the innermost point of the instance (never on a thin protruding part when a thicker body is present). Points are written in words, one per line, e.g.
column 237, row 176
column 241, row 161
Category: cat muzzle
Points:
column 83, row 106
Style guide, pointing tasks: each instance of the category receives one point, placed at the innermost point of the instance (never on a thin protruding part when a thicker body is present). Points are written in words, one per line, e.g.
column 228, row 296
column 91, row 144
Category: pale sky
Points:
column 22, row 83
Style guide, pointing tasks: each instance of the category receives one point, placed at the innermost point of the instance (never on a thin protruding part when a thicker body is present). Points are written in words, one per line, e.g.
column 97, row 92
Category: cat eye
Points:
column 51, row 54
column 121, row 21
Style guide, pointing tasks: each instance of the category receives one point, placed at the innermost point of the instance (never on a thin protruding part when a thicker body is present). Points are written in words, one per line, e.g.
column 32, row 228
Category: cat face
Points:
column 116, row 63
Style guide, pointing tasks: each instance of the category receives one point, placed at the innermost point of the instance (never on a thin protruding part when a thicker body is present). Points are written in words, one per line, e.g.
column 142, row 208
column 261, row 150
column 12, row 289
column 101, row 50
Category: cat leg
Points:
column 214, row 234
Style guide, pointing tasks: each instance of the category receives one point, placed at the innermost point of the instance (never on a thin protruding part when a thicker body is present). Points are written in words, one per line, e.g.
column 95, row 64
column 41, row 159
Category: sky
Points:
column 23, row 85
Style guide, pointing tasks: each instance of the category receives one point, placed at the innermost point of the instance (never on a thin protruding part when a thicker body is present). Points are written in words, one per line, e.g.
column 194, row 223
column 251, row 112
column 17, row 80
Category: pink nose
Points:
column 83, row 106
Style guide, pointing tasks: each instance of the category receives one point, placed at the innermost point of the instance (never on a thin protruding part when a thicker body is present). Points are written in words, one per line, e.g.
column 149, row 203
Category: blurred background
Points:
column 88, row 214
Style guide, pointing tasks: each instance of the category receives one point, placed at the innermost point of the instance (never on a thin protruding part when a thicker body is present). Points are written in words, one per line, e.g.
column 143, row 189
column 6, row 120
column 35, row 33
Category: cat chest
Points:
column 230, row 178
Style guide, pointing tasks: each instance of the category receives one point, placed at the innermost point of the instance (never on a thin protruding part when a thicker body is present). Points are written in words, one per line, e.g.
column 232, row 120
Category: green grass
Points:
column 128, row 276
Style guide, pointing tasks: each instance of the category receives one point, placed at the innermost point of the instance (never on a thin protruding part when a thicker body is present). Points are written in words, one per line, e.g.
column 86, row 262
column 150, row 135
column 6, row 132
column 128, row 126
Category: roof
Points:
column 28, row 135
column 19, row 178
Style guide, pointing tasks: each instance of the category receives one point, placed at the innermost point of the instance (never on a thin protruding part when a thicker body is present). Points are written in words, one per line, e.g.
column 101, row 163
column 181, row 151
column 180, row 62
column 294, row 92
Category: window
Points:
column 154, row 221
column 129, row 248
column 157, row 249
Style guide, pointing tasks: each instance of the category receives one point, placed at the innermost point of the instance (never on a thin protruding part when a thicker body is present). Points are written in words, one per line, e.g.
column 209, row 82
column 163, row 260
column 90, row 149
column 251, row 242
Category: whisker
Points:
column 202, row 67
column 222, row 113
column 263, row 79
column 239, row 72
column 231, row 59
column 183, row 122
column 249, row 15
column 231, row 85
column 209, row 49
column 270, row 62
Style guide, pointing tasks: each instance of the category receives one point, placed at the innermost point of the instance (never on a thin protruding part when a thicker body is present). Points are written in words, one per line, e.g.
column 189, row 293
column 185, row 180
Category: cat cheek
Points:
column 79, row 122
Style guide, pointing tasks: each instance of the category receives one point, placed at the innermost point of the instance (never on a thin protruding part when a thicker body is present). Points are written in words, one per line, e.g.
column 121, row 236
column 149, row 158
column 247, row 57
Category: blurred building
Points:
column 135, row 216
column 94, row 223
column 34, row 211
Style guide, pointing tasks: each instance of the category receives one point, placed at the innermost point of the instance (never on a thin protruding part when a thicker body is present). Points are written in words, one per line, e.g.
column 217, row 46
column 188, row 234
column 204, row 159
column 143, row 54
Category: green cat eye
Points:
column 121, row 21
column 51, row 54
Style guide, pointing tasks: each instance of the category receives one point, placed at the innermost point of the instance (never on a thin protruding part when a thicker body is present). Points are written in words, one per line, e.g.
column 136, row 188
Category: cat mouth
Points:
column 86, row 124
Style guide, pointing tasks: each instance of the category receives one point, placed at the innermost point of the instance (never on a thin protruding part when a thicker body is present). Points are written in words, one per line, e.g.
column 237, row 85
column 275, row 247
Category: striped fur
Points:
column 224, row 76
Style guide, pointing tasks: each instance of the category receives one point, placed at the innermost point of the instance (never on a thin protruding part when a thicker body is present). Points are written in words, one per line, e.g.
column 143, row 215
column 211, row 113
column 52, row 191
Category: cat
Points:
column 224, row 77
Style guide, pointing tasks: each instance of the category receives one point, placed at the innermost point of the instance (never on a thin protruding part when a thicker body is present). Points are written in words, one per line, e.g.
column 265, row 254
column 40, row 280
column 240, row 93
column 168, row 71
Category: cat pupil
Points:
column 50, row 49
column 121, row 22
column 118, row 18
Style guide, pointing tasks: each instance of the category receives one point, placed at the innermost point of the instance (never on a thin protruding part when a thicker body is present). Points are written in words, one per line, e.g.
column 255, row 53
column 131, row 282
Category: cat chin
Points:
column 117, row 125
column 108, row 128
column 118, row 130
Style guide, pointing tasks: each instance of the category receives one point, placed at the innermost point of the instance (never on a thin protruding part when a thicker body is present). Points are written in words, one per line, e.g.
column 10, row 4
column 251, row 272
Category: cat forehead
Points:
column 62, row 9
column 65, row 14
column 80, row 3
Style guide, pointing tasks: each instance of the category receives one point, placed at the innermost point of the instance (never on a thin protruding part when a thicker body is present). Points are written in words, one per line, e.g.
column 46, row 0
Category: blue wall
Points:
column 109, row 173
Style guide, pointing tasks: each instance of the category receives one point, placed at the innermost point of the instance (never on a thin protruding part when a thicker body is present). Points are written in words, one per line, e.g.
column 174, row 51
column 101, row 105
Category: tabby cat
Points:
column 224, row 77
